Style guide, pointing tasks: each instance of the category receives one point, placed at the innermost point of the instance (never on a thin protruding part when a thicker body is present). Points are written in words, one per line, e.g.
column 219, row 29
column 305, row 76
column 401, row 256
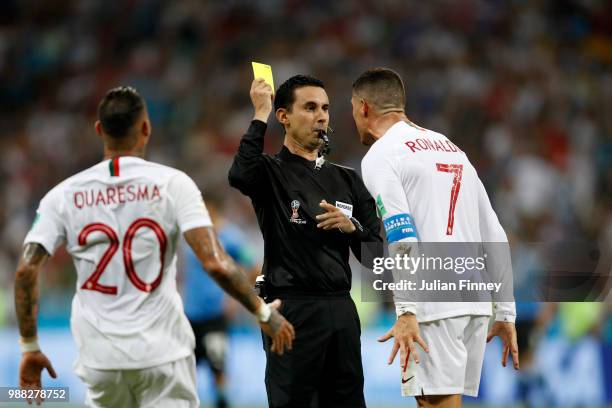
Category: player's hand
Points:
column 261, row 97
column 279, row 329
column 32, row 364
column 334, row 218
column 507, row 333
column 407, row 334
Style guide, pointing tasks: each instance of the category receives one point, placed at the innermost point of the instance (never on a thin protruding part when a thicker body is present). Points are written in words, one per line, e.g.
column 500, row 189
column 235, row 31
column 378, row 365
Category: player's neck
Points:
column 299, row 150
column 112, row 153
column 383, row 123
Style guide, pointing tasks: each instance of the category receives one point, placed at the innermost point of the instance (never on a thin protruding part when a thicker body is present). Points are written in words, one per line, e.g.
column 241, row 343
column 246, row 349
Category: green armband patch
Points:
column 381, row 207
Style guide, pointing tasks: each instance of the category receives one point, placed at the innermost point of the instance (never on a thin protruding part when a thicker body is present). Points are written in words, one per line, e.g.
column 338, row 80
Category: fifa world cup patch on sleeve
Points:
column 399, row 227
column 347, row 209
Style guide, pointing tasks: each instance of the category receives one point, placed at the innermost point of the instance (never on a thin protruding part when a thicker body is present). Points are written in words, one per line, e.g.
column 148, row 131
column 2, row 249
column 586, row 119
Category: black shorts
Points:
column 323, row 370
column 211, row 342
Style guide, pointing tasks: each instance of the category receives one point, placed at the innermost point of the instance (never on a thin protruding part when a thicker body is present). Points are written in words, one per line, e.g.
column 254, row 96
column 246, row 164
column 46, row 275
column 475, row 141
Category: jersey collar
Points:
column 285, row 154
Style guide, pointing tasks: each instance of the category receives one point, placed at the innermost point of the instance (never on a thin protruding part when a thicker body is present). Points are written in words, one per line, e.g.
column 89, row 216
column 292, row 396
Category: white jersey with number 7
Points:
column 426, row 190
column 120, row 221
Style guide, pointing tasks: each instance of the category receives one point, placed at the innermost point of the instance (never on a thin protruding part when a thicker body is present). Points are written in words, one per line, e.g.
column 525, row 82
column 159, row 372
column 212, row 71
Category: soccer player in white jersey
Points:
column 412, row 172
column 120, row 221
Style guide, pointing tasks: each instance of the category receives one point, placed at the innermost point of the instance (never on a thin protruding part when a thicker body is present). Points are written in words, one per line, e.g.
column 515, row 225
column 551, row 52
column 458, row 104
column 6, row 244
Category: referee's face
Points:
column 309, row 114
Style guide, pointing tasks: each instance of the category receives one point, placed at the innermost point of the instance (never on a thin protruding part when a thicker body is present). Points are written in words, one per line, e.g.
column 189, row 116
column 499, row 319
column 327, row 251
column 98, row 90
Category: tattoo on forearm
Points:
column 402, row 248
column 238, row 285
column 26, row 288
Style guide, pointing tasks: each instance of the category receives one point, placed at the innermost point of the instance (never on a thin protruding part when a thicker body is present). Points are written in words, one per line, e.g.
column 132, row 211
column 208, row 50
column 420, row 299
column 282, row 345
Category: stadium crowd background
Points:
column 523, row 87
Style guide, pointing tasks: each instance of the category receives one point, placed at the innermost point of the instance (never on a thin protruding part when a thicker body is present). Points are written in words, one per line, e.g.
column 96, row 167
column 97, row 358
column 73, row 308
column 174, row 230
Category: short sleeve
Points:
column 190, row 209
column 391, row 202
column 48, row 227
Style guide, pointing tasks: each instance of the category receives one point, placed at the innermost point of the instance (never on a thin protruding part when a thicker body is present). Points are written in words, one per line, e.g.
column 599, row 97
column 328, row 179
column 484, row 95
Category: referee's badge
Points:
column 347, row 209
column 295, row 216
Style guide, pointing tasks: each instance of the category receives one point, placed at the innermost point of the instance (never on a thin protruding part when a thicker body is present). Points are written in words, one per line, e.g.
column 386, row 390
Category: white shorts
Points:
column 454, row 362
column 168, row 385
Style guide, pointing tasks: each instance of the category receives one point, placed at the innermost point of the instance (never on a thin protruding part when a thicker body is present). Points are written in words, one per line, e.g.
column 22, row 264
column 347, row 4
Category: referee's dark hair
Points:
column 382, row 87
column 119, row 110
column 285, row 94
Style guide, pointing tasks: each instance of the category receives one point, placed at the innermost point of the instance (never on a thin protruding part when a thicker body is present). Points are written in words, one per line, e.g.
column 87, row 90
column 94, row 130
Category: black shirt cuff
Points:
column 257, row 127
column 360, row 232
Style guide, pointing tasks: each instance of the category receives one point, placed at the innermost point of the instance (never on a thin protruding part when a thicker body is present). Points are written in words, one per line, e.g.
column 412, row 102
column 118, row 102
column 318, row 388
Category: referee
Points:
column 310, row 213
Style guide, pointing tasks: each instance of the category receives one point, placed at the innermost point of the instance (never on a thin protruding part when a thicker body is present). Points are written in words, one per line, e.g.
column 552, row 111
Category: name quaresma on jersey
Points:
column 119, row 194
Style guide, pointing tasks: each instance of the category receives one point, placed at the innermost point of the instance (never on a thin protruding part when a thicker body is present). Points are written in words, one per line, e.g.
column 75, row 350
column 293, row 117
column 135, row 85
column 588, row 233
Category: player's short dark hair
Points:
column 119, row 110
column 285, row 94
column 382, row 87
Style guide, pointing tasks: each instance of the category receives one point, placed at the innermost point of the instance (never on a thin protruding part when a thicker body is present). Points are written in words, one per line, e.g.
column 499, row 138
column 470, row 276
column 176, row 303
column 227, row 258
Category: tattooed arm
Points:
column 33, row 361
column 222, row 268
column 26, row 289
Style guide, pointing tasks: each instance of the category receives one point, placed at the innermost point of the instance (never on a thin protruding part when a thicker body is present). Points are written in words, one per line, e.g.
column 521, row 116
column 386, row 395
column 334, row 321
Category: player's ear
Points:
column 98, row 127
column 145, row 128
column 365, row 107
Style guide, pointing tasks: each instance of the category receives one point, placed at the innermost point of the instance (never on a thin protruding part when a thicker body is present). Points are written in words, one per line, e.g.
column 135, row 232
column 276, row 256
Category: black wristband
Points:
column 357, row 224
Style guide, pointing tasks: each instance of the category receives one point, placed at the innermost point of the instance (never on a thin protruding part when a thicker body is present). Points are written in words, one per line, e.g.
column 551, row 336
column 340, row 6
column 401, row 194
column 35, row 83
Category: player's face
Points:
column 309, row 114
column 360, row 121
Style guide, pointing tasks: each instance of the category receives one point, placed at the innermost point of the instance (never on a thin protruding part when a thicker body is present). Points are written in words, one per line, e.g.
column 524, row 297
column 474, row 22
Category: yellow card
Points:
column 263, row 71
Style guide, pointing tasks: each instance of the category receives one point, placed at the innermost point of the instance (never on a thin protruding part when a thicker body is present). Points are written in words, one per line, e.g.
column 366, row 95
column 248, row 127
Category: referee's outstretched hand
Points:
column 407, row 335
column 279, row 329
column 507, row 333
column 333, row 217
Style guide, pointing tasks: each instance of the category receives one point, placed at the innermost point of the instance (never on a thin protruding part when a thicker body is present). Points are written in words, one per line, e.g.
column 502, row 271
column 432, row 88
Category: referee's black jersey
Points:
column 286, row 190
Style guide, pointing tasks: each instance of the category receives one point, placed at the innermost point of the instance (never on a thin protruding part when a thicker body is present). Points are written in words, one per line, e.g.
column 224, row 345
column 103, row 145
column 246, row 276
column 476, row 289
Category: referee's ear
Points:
column 281, row 116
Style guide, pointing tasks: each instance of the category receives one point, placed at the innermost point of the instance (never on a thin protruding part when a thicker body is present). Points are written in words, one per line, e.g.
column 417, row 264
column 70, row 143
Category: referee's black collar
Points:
column 285, row 154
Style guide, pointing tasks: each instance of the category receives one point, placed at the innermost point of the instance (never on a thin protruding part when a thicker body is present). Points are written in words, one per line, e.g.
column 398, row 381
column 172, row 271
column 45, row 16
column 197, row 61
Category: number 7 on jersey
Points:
column 457, row 169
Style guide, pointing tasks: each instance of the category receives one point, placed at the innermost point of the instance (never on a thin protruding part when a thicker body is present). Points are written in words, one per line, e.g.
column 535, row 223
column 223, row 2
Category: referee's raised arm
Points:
column 246, row 171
